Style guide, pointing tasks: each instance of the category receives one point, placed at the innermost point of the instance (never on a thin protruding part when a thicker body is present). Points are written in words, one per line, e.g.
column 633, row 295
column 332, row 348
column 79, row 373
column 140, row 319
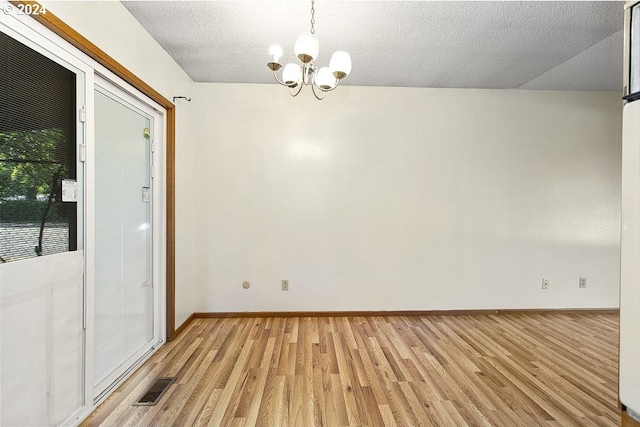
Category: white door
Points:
column 125, row 322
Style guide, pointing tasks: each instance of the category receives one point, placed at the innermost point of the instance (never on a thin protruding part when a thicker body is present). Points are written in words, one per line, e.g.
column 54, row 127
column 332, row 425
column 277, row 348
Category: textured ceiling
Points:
column 475, row 44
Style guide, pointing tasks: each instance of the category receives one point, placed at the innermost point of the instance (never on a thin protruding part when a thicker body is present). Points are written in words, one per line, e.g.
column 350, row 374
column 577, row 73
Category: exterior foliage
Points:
column 31, row 164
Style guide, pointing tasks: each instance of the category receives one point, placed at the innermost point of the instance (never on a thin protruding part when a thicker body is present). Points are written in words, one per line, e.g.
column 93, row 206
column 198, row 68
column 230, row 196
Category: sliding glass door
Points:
column 124, row 297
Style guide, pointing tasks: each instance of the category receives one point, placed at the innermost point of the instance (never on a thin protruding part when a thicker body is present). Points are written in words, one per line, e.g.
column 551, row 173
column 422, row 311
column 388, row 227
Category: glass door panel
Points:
column 124, row 297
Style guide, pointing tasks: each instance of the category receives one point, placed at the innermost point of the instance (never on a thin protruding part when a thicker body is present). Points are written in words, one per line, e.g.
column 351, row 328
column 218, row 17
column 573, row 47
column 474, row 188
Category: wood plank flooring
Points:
column 551, row 370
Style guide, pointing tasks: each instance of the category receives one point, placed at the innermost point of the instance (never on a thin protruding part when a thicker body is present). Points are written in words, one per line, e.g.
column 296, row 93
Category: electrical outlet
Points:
column 285, row 285
column 545, row 283
column 583, row 282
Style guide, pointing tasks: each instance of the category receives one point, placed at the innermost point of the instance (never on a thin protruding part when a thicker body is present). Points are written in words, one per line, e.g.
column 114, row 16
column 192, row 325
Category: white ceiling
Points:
column 571, row 45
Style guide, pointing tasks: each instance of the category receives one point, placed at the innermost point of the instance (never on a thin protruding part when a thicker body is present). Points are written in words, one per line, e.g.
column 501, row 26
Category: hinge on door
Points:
column 82, row 114
column 83, row 152
column 153, row 146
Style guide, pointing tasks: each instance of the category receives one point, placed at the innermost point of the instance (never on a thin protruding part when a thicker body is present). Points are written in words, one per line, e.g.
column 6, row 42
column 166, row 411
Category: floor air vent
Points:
column 155, row 392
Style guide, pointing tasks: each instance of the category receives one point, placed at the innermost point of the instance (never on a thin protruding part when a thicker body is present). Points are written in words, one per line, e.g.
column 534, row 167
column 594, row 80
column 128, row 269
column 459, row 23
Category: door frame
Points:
column 64, row 31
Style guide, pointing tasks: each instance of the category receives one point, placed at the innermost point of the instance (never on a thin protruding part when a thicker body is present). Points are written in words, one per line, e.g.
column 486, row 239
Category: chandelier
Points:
column 321, row 80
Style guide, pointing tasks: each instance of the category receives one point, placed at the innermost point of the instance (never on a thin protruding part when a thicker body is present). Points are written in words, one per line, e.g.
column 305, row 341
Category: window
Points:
column 37, row 153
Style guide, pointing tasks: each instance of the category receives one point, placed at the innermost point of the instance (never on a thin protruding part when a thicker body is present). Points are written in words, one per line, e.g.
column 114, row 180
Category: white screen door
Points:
column 124, row 293
column 41, row 244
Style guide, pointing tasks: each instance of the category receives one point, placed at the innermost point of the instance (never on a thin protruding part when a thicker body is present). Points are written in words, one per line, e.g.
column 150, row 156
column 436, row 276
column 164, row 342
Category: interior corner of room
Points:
column 419, row 200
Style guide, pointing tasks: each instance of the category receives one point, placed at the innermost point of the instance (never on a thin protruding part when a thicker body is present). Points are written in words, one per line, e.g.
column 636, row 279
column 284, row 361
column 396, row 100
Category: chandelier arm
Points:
column 324, row 91
column 291, row 88
column 333, row 88
column 275, row 76
column 313, row 89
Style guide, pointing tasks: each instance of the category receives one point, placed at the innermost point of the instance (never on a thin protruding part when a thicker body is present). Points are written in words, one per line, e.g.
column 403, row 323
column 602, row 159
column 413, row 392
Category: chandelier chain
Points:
column 313, row 18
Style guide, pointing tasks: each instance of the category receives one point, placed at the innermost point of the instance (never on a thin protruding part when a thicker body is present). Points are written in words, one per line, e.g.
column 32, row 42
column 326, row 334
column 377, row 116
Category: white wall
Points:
column 405, row 198
column 111, row 27
column 381, row 198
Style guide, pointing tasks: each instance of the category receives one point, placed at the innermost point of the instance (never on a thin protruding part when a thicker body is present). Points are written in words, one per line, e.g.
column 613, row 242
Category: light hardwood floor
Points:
column 552, row 370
